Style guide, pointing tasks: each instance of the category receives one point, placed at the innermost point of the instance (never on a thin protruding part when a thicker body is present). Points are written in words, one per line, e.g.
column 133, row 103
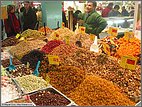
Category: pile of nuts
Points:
column 21, row 70
column 31, row 83
column 6, row 63
column 47, row 98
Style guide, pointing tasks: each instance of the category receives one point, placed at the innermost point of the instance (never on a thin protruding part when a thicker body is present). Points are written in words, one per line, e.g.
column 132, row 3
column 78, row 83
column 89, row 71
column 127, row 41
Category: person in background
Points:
column 91, row 20
column 30, row 18
column 64, row 18
column 131, row 13
column 12, row 25
column 114, row 12
column 107, row 10
column 124, row 12
column 75, row 18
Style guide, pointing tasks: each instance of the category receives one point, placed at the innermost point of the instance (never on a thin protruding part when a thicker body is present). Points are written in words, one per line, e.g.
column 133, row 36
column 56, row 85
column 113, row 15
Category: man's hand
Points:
column 80, row 22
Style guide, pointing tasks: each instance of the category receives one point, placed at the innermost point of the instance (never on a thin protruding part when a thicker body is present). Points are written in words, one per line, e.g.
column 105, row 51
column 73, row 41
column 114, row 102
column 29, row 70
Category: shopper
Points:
column 30, row 18
column 115, row 11
column 12, row 25
column 91, row 20
column 124, row 12
column 107, row 10
column 75, row 18
column 131, row 12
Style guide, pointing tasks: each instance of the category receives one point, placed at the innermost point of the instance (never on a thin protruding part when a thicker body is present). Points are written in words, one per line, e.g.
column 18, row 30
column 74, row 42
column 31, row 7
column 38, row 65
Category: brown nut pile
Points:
column 62, row 32
column 23, row 47
column 47, row 98
column 10, row 41
column 21, row 70
column 64, row 51
column 66, row 78
column 95, row 91
column 6, row 63
column 108, row 67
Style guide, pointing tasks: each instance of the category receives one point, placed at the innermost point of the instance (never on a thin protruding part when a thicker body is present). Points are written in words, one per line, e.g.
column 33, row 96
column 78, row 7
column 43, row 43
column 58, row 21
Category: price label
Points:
column 63, row 24
column 128, row 35
column 67, row 40
column 128, row 62
column 82, row 29
column 106, row 48
column 113, row 31
column 92, row 37
column 18, row 35
column 56, row 36
column 53, row 60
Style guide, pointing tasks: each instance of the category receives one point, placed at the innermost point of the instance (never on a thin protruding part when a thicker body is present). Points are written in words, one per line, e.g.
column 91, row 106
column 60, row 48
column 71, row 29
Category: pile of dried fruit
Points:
column 61, row 32
column 24, row 47
column 66, row 78
column 51, row 45
column 31, row 83
column 6, row 63
column 29, row 33
column 129, row 47
column 64, row 51
column 108, row 68
column 32, row 57
column 95, row 91
column 10, row 41
column 48, row 30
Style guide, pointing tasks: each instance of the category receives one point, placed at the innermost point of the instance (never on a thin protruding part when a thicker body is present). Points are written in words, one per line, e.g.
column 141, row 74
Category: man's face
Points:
column 26, row 5
column 89, row 7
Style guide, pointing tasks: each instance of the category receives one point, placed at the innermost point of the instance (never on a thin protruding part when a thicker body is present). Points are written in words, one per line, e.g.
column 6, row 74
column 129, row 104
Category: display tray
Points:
column 22, row 89
column 20, row 102
column 18, row 90
column 51, row 96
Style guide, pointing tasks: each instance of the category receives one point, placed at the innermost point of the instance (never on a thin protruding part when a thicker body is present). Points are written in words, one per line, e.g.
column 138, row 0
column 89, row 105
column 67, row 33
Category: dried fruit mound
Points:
column 51, row 45
column 131, row 47
column 32, row 57
column 95, row 91
column 10, row 41
column 66, row 78
column 108, row 68
column 23, row 47
column 48, row 30
column 64, row 51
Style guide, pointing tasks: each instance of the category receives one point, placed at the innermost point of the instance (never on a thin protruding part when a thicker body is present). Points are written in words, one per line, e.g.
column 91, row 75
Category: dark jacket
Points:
column 30, row 19
column 93, row 22
column 114, row 13
column 124, row 13
column 12, row 25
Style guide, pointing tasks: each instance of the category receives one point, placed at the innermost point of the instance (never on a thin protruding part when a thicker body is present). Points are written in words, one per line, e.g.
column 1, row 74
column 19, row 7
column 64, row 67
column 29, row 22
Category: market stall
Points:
column 67, row 73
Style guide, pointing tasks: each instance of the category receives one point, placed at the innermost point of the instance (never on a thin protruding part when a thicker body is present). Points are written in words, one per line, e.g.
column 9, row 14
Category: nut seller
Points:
column 91, row 20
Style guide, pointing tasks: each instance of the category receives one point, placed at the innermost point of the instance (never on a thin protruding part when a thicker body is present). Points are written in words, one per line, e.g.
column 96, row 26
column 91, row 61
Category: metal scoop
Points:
column 36, row 73
column 11, row 66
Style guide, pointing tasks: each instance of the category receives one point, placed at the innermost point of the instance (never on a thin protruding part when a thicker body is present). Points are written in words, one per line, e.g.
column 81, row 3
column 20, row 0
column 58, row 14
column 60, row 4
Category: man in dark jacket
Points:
column 91, row 20
column 30, row 18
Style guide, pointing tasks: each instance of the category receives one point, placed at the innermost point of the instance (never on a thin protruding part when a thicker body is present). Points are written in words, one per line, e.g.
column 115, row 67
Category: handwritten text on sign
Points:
column 82, row 29
column 128, row 62
column 53, row 60
column 113, row 31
